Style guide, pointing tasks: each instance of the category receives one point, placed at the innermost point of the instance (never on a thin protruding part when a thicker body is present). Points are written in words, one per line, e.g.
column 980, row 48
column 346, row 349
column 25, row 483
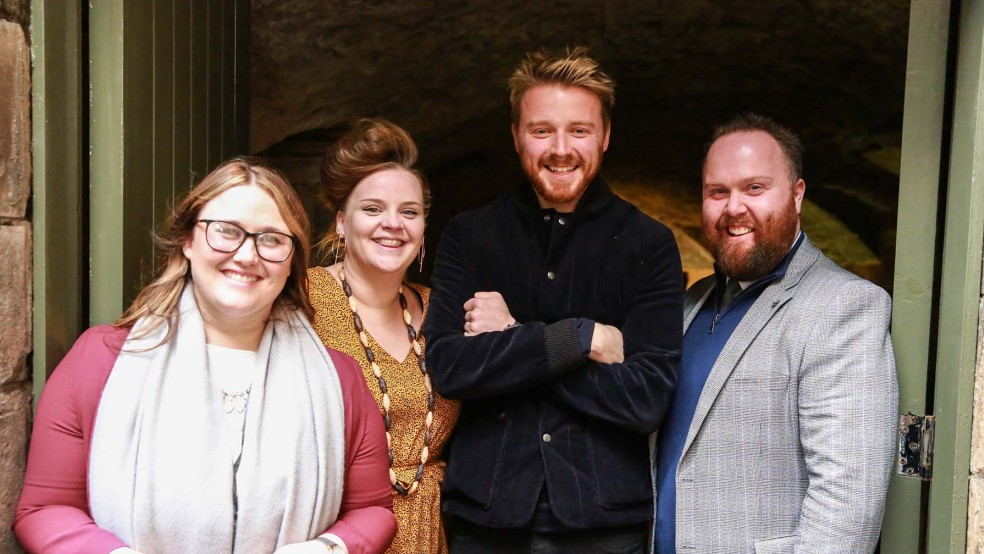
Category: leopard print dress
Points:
column 419, row 514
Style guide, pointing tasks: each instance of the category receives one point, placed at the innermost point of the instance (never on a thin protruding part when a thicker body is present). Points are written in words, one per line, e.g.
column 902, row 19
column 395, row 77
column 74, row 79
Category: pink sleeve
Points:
column 53, row 511
column 365, row 522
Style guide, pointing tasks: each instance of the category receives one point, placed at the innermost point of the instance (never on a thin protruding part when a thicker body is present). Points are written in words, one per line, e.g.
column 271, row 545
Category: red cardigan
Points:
column 53, row 511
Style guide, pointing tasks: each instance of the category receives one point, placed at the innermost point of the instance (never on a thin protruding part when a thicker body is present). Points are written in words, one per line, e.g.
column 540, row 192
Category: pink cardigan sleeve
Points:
column 365, row 521
column 53, row 512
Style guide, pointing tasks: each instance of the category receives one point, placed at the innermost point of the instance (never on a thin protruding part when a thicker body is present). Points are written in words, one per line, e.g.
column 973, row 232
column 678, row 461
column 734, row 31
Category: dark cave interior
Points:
column 833, row 70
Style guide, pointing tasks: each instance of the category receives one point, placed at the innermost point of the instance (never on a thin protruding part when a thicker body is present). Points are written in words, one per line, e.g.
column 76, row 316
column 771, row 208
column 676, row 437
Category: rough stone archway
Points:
column 833, row 70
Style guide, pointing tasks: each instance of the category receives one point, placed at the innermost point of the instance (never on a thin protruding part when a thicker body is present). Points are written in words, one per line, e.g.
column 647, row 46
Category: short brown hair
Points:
column 573, row 69
column 789, row 142
column 160, row 297
column 371, row 146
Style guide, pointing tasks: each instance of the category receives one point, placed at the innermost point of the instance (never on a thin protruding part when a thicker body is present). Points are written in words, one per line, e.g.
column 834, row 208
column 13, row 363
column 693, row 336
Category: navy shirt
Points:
column 705, row 338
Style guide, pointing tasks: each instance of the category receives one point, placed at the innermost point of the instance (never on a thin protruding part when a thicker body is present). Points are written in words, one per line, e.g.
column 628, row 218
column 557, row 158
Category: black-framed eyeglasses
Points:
column 227, row 237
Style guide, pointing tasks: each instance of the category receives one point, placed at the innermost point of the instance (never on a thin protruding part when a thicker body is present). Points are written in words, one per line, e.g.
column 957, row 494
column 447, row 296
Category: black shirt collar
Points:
column 776, row 273
column 595, row 198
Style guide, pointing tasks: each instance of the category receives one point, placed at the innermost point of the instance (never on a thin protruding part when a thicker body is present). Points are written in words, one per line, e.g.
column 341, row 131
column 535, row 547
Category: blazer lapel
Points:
column 765, row 307
column 690, row 310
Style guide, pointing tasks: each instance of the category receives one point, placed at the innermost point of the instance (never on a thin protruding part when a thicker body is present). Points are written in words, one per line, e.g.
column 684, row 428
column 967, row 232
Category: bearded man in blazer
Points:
column 781, row 431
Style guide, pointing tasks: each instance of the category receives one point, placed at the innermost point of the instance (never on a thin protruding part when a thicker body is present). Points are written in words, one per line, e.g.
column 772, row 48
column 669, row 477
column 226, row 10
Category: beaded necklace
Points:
column 400, row 487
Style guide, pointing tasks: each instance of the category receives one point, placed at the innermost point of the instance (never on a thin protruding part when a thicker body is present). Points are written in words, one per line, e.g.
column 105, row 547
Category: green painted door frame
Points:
column 938, row 276
column 58, row 149
column 959, row 308
column 133, row 102
column 169, row 102
column 916, row 246
column 169, row 91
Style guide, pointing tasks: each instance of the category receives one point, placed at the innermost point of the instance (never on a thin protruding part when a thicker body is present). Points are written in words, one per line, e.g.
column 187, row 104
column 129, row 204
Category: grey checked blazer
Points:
column 791, row 444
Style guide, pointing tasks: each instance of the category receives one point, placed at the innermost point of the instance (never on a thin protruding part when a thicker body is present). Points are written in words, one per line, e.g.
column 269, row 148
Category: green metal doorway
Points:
column 133, row 102
column 938, row 267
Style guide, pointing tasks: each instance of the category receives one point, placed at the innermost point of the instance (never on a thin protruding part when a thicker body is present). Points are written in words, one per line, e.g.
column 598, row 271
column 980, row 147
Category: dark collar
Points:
column 595, row 198
column 777, row 273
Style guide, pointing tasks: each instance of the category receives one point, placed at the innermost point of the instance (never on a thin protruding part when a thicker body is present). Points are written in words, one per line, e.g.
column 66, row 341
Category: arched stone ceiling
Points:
column 833, row 70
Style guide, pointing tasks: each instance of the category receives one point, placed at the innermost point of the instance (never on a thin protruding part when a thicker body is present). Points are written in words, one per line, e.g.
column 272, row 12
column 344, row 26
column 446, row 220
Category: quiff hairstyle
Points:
column 573, row 69
column 371, row 146
column 789, row 142
column 160, row 297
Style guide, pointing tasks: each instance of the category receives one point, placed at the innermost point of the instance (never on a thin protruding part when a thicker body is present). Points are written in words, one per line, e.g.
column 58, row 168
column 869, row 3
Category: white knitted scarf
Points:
column 160, row 475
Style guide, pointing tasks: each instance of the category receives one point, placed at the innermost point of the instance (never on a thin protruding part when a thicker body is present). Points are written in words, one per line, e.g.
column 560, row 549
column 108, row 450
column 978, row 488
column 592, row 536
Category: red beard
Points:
column 773, row 239
column 562, row 194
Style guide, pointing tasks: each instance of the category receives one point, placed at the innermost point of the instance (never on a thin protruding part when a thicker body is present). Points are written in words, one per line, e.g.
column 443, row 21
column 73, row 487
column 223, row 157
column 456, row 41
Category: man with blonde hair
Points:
column 556, row 318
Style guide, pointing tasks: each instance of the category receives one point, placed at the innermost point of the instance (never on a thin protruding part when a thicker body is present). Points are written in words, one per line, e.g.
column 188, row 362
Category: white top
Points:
column 232, row 376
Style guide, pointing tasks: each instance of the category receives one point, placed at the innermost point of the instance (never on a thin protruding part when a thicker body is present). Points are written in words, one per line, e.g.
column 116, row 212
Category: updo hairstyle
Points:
column 372, row 145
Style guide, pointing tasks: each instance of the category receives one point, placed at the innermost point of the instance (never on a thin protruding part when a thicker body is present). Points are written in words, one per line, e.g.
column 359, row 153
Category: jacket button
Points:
column 562, row 221
column 550, row 275
column 546, row 218
column 546, row 437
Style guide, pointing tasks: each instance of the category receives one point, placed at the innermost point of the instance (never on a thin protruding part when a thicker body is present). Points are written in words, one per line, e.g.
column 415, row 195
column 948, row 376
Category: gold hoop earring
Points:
column 420, row 257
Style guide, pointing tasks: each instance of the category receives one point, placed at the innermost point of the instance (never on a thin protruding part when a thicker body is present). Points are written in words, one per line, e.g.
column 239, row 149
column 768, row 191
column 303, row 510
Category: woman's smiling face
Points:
column 383, row 222
column 237, row 287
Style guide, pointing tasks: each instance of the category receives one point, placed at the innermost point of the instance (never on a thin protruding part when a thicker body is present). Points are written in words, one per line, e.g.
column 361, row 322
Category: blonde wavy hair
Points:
column 160, row 297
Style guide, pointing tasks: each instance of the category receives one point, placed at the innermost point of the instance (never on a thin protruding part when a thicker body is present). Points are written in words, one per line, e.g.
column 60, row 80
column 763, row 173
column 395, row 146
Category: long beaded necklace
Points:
column 399, row 486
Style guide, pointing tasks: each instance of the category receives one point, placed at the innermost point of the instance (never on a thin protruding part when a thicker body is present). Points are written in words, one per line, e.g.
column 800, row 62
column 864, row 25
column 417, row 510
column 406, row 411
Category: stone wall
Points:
column 15, row 258
column 975, row 505
column 832, row 69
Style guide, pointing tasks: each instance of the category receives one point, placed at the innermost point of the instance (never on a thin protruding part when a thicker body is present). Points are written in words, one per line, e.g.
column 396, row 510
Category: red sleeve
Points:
column 365, row 522
column 53, row 511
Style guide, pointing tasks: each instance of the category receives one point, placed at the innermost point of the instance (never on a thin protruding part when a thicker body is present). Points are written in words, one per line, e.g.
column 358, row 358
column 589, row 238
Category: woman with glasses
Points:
column 365, row 308
column 210, row 417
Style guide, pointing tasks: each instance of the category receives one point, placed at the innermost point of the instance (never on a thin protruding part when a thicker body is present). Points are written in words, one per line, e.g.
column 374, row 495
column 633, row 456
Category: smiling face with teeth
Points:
column 383, row 223
column 750, row 204
column 561, row 138
column 237, row 289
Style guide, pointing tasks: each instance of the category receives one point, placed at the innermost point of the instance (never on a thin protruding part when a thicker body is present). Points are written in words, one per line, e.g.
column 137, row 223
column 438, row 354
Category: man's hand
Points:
column 487, row 311
column 606, row 345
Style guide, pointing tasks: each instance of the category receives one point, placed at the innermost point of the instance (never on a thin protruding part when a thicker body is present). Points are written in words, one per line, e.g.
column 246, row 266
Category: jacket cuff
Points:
column 563, row 347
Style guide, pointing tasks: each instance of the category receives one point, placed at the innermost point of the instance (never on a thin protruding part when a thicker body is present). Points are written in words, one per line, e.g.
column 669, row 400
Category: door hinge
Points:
column 915, row 446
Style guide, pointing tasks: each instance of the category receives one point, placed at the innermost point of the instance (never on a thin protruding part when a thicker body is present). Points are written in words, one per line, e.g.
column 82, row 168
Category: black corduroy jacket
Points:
column 535, row 411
